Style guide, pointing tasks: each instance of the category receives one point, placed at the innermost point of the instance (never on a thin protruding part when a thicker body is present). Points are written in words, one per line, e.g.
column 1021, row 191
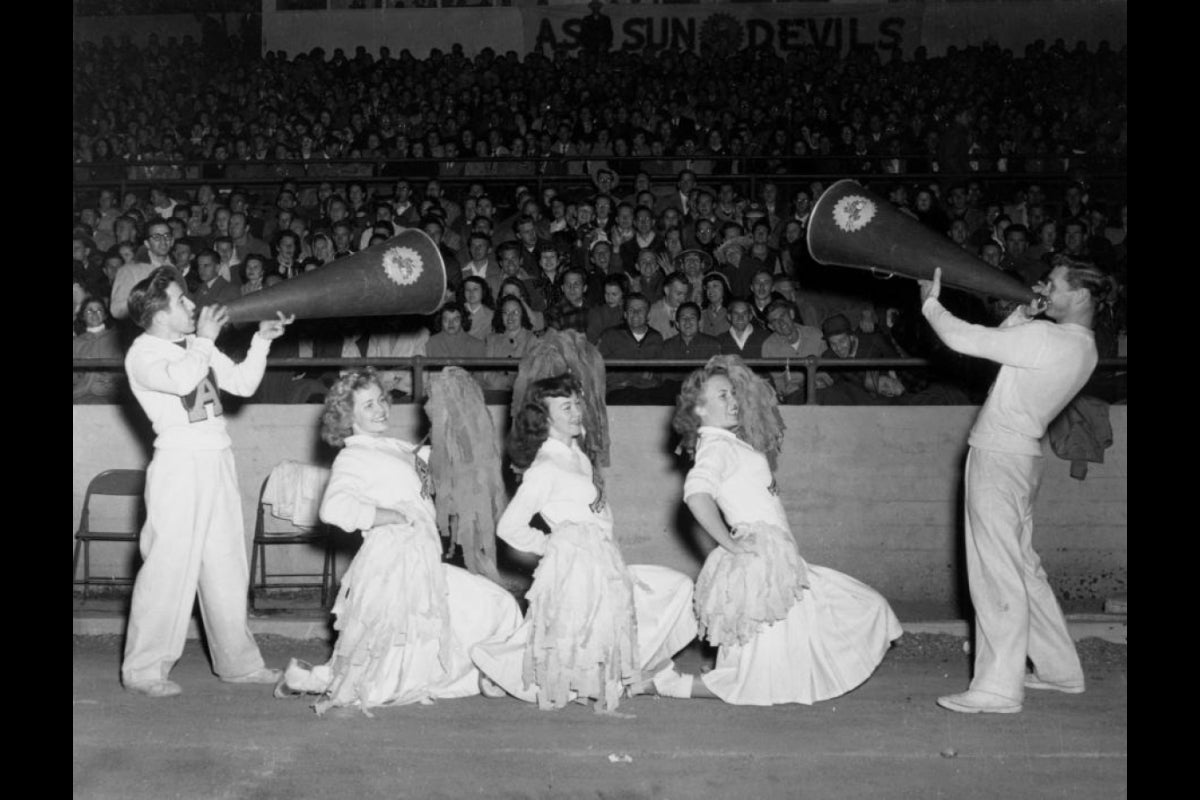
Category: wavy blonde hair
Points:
column 337, row 420
column 759, row 422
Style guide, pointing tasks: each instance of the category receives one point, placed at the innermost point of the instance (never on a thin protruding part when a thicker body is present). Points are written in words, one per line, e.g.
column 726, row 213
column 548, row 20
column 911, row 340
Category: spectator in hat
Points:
column 598, row 266
column 595, row 32
column 738, row 269
column 753, row 212
column 605, row 181
column 853, row 387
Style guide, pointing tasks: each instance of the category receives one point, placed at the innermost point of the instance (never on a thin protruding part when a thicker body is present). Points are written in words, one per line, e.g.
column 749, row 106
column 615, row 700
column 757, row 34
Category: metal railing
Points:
column 554, row 171
column 420, row 364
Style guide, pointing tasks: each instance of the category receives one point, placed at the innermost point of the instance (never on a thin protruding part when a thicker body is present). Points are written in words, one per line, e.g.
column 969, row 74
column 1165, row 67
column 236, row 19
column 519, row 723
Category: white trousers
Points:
column 1016, row 614
column 193, row 540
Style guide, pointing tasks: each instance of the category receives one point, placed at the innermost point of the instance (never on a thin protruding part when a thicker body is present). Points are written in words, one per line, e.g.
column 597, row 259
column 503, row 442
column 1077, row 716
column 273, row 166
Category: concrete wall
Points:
column 874, row 492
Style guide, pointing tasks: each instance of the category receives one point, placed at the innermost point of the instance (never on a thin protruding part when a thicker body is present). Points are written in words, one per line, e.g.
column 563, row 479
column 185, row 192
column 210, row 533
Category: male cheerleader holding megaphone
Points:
column 1043, row 365
column 194, row 535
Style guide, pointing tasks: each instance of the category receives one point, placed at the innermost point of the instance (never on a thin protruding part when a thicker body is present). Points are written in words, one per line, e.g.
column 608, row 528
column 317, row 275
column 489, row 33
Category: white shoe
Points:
column 159, row 688
column 976, row 702
column 671, row 683
column 260, row 675
column 300, row 677
column 1032, row 681
column 488, row 687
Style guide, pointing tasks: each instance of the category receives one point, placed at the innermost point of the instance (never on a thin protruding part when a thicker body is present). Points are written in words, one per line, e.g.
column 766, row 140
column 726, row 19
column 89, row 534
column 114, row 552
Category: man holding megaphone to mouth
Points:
column 1043, row 365
column 193, row 538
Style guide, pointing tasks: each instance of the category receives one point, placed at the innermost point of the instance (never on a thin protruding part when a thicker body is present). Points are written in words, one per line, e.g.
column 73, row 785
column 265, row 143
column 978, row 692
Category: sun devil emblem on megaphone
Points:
column 851, row 227
column 404, row 275
column 853, row 212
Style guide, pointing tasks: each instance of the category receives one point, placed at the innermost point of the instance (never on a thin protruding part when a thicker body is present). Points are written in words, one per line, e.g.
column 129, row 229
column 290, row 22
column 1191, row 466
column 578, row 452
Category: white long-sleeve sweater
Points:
column 173, row 386
column 1043, row 365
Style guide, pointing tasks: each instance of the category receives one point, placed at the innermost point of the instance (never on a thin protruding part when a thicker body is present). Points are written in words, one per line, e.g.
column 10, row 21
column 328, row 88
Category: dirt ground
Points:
column 886, row 739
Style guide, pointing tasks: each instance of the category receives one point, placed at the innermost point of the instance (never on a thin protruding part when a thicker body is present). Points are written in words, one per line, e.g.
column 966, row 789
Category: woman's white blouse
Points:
column 558, row 485
column 737, row 476
column 371, row 472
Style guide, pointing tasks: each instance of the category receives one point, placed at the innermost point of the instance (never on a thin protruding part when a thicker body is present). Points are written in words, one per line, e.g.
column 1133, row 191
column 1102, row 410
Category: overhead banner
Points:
column 730, row 27
column 699, row 27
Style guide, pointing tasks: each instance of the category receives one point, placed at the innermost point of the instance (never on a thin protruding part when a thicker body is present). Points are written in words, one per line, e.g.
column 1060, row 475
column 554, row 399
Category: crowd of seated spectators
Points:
column 618, row 249
column 750, row 111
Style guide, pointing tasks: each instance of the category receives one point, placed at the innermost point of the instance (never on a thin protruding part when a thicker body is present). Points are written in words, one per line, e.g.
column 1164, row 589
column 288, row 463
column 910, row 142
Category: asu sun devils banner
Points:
column 725, row 27
column 728, row 27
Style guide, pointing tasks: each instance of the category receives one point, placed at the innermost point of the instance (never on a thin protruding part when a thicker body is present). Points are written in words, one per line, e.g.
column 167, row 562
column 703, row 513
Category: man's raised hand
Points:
column 274, row 328
column 210, row 321
column 931, row 288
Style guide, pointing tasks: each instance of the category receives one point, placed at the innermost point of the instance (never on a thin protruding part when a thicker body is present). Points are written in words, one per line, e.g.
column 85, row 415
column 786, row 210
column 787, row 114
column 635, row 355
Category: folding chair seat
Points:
column 287, row 515
column 110, row 483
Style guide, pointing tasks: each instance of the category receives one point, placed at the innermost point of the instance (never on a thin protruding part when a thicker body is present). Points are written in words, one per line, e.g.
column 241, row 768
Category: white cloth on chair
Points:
column 294, row 492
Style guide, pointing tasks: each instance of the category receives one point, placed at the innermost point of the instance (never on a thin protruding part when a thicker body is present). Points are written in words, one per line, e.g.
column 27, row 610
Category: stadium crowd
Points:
column 657, row 202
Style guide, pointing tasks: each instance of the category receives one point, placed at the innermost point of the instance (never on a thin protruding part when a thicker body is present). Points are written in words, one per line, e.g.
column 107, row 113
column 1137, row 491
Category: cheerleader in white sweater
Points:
column 788, row 632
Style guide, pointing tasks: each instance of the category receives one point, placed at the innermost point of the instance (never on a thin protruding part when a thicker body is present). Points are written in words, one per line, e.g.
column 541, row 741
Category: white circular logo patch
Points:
column 403, row 265
column 852, row 212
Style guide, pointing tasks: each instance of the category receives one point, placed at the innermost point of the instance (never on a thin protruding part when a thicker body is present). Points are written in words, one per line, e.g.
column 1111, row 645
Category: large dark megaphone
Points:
column 852, row 227
column 404, row 275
